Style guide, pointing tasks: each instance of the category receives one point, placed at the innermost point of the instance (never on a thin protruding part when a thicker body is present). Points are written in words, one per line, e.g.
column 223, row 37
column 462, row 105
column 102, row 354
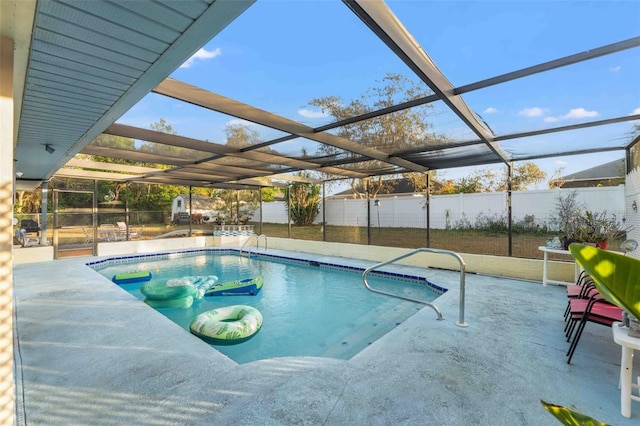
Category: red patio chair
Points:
column 596, row 309
column 583, row 290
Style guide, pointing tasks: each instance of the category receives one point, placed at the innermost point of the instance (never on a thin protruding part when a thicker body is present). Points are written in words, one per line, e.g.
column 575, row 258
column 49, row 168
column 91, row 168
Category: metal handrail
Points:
column 257, row 243
column 460, row 321
column 251, row 238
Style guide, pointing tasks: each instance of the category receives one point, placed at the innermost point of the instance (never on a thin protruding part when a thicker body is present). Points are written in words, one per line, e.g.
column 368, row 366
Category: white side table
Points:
column 629, row 344
column 546, row 252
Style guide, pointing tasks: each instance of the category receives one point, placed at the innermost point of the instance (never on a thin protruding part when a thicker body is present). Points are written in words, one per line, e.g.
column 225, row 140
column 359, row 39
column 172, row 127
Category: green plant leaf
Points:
column 615, row 275
column 570, row 417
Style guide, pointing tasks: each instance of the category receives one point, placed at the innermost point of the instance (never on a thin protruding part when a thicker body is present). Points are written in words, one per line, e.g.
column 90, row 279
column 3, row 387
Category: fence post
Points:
column 427, row 206
column 324, row 213
column 368, row 215
column 509, row 218
column 190, row 211
column 261, row 210
column 289, row 212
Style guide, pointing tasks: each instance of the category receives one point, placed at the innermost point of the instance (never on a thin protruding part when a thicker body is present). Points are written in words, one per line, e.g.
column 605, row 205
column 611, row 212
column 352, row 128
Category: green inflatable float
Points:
column 177, row 292
column 228, row 325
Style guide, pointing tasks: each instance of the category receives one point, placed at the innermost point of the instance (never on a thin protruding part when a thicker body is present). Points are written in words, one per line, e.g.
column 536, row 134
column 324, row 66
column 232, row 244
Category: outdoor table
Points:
column 110, row 233
column 546, row 252
column 629, row 344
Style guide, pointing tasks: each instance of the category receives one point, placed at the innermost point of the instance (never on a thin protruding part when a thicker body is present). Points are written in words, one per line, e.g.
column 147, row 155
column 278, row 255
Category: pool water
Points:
column 307, row 310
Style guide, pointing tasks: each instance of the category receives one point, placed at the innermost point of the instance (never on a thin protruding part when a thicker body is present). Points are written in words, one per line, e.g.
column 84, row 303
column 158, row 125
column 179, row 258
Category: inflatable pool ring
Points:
column 131, row 277
column 227, row 325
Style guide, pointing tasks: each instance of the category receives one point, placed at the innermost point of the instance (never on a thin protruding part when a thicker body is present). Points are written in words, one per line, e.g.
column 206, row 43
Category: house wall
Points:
column 632, row 202
column 174, row 206
column 451, row 210
column 184, row 207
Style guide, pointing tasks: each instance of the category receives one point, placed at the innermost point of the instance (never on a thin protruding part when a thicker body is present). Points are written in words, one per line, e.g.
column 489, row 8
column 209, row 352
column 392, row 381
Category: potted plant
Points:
column 581, row 225
column 568, row 212
column 598, row 228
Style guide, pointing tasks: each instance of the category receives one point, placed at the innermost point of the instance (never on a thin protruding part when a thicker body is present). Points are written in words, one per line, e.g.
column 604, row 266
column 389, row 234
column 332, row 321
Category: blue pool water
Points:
column 309, row 309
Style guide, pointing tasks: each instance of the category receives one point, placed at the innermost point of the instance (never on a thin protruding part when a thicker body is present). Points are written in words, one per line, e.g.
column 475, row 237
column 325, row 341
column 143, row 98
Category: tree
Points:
column 164, row 127
column 394, row 132
column 240, row 135
column 489, row 180
column 269, row 194
column 557, row 180
column 303, row 202
column 526, row 174
column 236, row 206
column 27, row 202
column 476, row 182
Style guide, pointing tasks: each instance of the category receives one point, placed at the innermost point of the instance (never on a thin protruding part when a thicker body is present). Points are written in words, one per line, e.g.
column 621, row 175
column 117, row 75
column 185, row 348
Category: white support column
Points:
column 43, row 214
column 7, row 189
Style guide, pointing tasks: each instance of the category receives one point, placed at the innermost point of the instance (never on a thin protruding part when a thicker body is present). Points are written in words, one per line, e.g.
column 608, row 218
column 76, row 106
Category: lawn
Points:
column 464, row 241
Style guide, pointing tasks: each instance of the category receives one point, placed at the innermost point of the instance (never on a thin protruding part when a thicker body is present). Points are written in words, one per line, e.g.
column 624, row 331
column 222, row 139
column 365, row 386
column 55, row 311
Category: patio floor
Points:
column 89, row 353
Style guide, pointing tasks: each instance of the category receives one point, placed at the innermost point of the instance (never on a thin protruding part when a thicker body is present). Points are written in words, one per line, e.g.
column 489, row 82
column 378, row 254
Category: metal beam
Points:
column 379, row 18
column 546, row 66
column 220, row 150
column 187, row 93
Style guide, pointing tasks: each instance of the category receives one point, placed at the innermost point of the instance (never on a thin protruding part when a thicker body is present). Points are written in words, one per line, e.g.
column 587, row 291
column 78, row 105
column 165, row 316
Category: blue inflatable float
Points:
column 131, row 277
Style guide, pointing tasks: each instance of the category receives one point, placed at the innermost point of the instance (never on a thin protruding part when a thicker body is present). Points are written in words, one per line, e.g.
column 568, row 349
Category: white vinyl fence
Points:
column 536, row 207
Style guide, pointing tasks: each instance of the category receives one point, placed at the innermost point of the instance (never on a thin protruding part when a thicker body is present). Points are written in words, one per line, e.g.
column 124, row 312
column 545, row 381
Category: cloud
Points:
column 201, row 55
column 573, row 114
column 490, row 110
column 635, row 111
column 312, row 114
column 579, row 113
column 239, row 122
column 533, row 112
column 615, row 69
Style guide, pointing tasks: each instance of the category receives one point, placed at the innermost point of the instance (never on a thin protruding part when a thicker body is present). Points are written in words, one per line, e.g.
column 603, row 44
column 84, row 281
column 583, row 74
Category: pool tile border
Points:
column 97, row 264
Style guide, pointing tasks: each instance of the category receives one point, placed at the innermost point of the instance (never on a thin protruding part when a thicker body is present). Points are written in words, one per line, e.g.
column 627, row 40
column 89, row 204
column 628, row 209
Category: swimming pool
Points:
column 310, row 308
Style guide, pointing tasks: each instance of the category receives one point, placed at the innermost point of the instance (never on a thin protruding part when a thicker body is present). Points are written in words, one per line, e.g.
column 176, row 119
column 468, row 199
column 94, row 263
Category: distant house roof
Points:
column 608, row 174
column 399, row 186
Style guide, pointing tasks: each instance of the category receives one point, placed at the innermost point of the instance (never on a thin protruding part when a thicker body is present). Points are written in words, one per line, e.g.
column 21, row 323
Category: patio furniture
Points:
column 615, row 275
column 629, row 345
column 181, row 218
column 108, row 232
column 88, row 236
column 583, row 289
column 545, row 263
column 30, row 226
column 25, row 240
column 123, row 230
column 596, row 310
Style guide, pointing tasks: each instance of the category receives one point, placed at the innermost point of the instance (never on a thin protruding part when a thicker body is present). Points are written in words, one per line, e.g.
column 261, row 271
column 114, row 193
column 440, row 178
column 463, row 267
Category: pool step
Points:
column 382, row 319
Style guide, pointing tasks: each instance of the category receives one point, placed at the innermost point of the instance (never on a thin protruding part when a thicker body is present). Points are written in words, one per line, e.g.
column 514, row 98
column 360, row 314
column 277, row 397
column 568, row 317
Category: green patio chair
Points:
column 617, row 277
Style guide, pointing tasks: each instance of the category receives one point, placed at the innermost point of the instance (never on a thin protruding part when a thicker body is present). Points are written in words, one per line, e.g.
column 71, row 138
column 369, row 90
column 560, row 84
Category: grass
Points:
column 465, row 241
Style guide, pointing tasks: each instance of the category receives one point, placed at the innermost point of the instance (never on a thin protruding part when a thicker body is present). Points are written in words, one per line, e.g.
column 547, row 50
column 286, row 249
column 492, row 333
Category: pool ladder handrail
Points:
column 256, row 239
column 460, row 321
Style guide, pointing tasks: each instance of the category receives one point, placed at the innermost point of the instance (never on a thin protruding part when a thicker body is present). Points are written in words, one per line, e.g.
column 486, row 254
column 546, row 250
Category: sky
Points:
column 279, row 55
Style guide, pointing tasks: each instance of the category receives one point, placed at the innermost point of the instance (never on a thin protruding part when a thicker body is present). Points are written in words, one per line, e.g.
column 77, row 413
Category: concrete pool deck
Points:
column 87, row 352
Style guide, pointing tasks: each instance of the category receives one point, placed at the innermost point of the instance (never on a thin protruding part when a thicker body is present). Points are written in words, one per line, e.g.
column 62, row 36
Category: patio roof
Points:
column 85, row 64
